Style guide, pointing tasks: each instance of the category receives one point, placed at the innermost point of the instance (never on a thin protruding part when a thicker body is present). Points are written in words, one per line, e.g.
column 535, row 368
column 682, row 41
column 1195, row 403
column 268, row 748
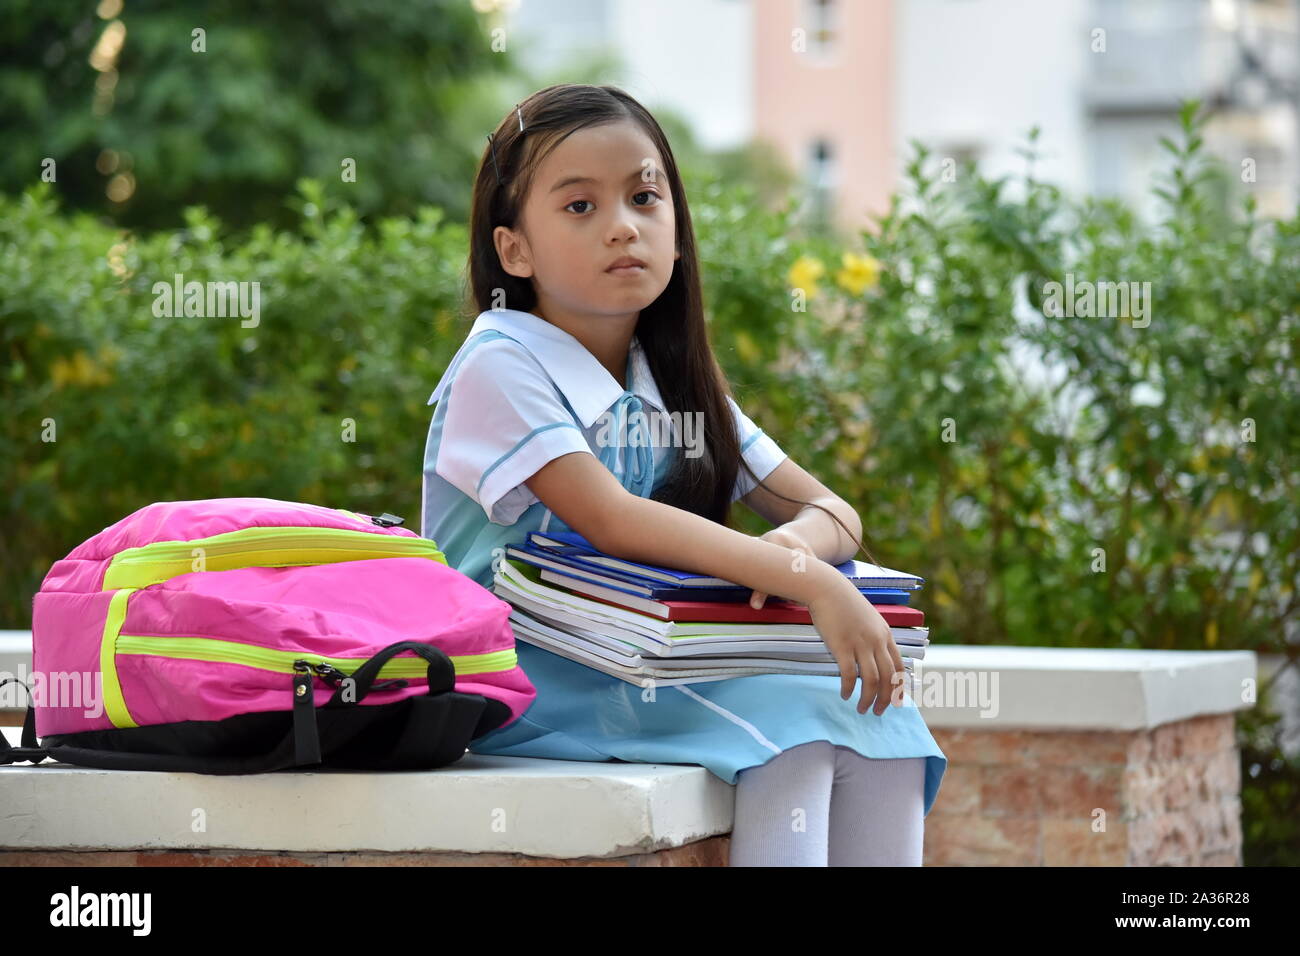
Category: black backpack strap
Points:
column 306, row 735
column 301, row 746
column 28, row 748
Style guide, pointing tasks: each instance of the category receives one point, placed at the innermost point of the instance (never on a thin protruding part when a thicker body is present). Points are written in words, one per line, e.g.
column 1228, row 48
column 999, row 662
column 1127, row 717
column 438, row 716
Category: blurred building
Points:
column 1239, row 57
column 824, row 81
column 692, row 56
column 975, row 75
column 842, row 87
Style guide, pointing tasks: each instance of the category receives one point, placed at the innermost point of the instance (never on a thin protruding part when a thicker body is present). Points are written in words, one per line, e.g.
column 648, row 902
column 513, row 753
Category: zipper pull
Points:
column 386, row 520
column 333, row 676
column 301, row 679
column 328, row 673
column 306, row 740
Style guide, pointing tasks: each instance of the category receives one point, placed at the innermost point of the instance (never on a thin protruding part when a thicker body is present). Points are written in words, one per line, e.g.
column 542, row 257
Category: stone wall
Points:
column 710, row 852
column 1169, row 796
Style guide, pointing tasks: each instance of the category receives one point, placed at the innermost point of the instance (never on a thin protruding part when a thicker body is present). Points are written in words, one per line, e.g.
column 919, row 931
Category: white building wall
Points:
column 977, row 74
column 691, row 56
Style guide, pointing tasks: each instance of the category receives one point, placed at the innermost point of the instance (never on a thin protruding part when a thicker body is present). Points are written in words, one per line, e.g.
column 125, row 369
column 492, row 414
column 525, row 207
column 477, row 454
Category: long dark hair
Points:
column 671, row 329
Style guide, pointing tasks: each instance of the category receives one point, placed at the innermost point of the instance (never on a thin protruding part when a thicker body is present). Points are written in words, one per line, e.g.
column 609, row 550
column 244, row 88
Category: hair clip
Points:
column 494, row 158
column 492, row 143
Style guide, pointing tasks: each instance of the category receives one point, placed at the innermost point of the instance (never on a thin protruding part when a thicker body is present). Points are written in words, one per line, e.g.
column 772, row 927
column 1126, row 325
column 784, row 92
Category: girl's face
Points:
column 600, row 196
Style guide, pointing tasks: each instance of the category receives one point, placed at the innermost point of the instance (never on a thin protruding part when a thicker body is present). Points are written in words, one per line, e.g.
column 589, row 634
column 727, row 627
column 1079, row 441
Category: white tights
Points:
column 821, row 804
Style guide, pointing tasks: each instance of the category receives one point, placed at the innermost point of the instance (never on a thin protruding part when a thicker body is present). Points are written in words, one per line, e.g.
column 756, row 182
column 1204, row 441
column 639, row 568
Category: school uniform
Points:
column 521, row 392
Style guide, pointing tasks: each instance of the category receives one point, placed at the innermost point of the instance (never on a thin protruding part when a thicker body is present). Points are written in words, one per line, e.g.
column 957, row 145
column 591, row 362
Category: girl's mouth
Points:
column 626, row 271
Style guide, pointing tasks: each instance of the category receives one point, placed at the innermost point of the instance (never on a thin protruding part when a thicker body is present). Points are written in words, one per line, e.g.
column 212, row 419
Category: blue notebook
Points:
column 647, row 588
column 571, row 548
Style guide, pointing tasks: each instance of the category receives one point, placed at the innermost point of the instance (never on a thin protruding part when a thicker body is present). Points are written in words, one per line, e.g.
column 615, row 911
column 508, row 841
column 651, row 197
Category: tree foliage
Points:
column 279, row 91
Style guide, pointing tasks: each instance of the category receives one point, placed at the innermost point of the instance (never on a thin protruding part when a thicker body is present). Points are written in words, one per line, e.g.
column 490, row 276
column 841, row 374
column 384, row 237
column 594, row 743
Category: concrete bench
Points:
column 482, row 810
column 1069, row 757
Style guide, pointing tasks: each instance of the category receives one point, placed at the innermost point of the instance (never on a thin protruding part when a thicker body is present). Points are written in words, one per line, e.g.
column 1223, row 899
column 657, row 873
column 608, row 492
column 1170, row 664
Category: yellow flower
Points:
column 747, row 347
column 859, row 273
column 804, row 275
column 82, row 369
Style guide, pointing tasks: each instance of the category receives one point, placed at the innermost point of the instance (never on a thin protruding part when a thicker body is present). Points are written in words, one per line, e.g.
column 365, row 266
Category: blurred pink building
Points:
column 823, row 94
column 840, row 88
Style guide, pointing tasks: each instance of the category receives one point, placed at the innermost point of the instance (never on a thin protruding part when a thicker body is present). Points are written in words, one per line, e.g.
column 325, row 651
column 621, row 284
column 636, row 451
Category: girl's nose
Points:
column 623, row 230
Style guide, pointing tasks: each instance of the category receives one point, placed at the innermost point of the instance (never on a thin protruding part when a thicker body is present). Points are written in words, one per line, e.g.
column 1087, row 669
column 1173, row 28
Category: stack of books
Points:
column 648, row 624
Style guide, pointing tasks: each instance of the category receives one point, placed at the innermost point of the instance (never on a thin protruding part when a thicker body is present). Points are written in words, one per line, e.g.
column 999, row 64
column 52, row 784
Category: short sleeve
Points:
column 503, row 420
column 757, row 449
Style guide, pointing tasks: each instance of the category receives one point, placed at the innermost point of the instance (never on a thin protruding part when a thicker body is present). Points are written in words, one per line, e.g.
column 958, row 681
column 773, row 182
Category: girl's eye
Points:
column 644, row 192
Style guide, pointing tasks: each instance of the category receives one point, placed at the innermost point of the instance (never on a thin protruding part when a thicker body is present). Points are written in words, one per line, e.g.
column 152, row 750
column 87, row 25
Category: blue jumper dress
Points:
column 521, row 392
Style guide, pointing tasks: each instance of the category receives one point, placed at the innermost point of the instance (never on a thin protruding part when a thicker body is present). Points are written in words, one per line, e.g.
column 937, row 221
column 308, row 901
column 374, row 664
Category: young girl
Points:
column 584, row 273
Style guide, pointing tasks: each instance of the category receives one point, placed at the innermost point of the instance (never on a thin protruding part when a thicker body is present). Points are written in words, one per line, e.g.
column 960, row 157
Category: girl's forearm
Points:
column 656, row 533
column 823, row 533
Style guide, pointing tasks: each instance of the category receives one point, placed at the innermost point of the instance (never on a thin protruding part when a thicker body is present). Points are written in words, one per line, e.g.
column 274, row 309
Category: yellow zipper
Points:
column 258, row 547
column 281, row 661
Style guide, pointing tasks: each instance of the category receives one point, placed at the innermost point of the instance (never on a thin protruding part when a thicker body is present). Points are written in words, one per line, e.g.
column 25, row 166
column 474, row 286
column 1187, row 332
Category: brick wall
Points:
column 1170, row 797
column 709, row 852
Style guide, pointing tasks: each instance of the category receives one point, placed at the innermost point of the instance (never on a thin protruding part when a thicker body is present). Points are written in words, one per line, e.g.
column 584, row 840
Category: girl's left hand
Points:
column 783, row 536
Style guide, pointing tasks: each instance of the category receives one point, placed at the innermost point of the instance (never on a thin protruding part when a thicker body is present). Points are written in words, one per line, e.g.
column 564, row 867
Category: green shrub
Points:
column 353, row 327
column 1137, row 453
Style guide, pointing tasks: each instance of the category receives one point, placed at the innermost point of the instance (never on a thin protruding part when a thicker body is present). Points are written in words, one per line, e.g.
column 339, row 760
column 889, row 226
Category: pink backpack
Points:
column 240, row 635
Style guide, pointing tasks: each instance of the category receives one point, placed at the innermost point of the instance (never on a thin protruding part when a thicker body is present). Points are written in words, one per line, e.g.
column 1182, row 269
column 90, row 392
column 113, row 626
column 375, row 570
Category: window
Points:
column 821, row 19
column 821, row 178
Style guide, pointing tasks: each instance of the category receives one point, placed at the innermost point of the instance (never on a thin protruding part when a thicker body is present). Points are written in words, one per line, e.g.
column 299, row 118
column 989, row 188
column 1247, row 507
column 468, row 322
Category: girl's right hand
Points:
column 861, row 643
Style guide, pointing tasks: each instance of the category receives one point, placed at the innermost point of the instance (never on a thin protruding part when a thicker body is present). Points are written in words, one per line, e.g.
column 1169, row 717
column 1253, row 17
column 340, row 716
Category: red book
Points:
column 774, row 611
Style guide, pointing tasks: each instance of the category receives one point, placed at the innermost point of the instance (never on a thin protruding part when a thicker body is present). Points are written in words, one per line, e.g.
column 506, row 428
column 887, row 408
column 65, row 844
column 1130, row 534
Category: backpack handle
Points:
column 441, row 672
